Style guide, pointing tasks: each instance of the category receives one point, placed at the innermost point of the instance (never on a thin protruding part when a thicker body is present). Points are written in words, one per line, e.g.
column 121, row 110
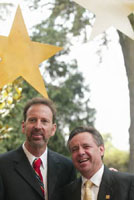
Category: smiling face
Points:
column 86, row 155
column 38, row 127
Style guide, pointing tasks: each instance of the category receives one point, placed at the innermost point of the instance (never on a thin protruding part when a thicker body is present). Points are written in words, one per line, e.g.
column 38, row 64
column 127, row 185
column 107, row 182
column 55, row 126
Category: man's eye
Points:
column 32, row 120
column 74, row 150
column 44, row 121
column 86, row 146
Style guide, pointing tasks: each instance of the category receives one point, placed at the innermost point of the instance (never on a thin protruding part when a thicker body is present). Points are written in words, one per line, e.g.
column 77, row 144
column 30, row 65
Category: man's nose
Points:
column 38, row 124
column 81, row 151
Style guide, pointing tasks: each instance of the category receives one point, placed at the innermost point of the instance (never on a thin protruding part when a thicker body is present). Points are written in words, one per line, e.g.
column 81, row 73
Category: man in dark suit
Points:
column 87, row 149
column 18, row 179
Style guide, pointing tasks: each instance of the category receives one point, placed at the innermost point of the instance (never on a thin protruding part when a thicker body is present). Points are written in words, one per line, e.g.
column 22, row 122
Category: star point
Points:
column 110, row 13
column 21, row 57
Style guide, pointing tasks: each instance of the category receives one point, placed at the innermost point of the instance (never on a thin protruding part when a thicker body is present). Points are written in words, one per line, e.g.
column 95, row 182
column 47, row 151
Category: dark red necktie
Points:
column 36, row 166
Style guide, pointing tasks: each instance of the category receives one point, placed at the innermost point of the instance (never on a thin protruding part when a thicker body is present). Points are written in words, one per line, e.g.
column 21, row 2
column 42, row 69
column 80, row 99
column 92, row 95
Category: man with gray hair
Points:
column 97, row 182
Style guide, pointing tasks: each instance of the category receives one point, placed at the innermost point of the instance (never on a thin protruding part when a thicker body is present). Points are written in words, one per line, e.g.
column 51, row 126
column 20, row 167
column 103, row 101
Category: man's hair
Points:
column 40, row 100
column 96, row 135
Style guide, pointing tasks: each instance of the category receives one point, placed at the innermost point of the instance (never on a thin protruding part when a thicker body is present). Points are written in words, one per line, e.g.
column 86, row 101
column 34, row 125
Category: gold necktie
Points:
column 87, row 190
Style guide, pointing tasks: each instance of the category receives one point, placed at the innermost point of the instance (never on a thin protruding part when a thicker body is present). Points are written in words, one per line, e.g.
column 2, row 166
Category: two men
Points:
column 87, row 150
column 18, row 179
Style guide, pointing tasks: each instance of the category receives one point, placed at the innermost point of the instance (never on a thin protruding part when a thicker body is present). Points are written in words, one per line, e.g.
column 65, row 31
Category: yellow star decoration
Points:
column 19, row 56
column 110, row 13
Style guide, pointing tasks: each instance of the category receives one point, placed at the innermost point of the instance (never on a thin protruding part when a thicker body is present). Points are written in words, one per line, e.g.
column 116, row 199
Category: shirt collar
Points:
column 96, row 178
column 31, row 157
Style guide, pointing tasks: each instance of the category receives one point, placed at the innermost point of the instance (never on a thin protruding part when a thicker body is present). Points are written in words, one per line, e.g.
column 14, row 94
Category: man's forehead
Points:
column 82, row 134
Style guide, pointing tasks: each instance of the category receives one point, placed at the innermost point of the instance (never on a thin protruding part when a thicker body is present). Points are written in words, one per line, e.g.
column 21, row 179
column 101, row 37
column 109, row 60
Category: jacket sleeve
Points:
column 131, row 191
column 73, row 175
column 2, row 192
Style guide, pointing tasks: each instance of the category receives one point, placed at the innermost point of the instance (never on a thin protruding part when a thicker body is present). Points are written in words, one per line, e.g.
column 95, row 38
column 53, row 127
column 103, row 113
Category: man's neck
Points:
column 36, row 150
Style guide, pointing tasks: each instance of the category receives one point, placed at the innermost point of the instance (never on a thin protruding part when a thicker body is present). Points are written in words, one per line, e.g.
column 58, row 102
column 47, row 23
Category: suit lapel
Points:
column 53, row 167
column 106, row 189
column 24, row 169
column 76, row 189
column 72, row 191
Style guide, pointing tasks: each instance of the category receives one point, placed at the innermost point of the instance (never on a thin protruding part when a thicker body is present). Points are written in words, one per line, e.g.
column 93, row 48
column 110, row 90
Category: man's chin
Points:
column 38, row 144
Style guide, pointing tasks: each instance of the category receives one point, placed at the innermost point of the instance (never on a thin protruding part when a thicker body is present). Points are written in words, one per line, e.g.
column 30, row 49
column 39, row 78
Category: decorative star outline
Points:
column 110, row 13
column 19, row 56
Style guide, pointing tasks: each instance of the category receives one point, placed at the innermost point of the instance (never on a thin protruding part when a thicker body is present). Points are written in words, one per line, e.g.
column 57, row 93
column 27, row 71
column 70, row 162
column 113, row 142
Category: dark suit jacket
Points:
column 18, row 181
column 119, row 186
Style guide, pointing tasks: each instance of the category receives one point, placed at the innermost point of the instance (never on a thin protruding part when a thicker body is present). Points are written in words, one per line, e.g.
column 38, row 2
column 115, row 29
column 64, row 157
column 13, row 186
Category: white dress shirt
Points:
column 96, row 180
column 43, row 167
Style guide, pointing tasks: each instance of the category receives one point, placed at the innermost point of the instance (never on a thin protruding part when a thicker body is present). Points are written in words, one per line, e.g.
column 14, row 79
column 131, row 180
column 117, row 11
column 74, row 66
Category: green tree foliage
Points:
column 10, row 94
column 64, row 83
column 14, row 114
column 5, row 9
column 75, row 22
column 114, row 157
column 67, row 90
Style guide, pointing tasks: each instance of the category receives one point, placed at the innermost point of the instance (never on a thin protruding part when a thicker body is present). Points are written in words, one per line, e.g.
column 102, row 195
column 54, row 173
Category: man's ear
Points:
column 23, row 127
column 102, row 150
column 54, row 129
